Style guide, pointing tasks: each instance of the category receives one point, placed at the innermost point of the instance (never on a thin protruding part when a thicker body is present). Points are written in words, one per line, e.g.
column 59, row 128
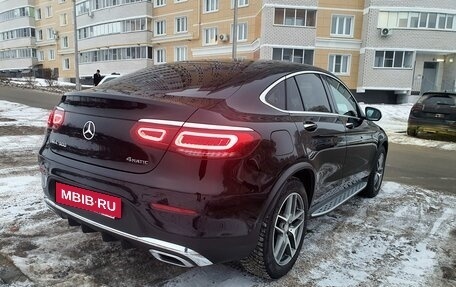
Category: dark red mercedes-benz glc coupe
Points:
column 208, row 162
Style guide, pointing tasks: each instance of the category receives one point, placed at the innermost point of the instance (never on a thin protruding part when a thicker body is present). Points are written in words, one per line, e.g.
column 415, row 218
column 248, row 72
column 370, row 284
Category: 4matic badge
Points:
column 137, row 161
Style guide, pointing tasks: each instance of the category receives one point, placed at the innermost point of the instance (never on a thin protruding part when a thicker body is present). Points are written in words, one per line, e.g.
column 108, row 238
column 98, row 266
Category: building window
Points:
column 48, row 11
column 50, row 33
column 342, row 25
column 180, row 1
column 160, row 56
column 39, row 35
column 393, row 59
column 63, row 19
column 82, row 8
column 18, row 54
column 40, row 56
column 419, row 20
column 131, row 25
column 241, row 3
column 339, row 64
column 211, row 5
column 181, row 24
column 38, row 14
column 241, row 31
column 17, row 33
column 17, row 13
column 180, row 54
column 160, row 28
column 65, row 42
column 293, row 55
column 116, row 54
column 66, row 64
column 294, row 17
column 159, row 3
column 51, row 55
column 210, row 36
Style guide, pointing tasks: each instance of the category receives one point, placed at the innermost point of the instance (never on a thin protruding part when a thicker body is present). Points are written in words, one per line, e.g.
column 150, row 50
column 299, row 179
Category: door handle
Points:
column 349, row 125
column 310, row 126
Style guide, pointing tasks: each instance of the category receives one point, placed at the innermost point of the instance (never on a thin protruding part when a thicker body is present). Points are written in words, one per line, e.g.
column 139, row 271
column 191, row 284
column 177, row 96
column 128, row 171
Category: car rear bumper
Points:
column 186, row 256
column 447, row 128
column 223, row 230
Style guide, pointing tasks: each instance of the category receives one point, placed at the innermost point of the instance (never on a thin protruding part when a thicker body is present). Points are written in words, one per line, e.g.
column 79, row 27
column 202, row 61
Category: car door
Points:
column 320, row 131
column 360, row 140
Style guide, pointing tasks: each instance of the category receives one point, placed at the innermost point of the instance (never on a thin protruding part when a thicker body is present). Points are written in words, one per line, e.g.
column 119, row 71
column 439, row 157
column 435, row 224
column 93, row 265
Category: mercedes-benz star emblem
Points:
column 88, row 131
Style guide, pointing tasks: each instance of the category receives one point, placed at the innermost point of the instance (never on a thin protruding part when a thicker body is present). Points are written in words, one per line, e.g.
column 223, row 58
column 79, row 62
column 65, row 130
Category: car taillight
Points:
column 197, row 140
column 56, row 118
column 417, row 108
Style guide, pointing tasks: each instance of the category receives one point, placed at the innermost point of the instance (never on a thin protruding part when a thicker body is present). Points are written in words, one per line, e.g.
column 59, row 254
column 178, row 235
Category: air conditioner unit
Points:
column 224, row 37
column 90, row 14
column 385, row 32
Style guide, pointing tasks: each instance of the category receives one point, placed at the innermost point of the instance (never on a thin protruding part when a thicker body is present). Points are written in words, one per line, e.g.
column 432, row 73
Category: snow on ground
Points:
column 403, row 237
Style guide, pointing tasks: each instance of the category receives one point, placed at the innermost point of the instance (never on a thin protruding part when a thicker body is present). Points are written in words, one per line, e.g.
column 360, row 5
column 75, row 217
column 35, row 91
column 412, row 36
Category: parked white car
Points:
column 108, row 78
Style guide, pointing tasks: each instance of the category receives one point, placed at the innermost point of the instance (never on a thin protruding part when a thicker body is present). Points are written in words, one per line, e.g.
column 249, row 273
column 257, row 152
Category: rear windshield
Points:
column 438, row 99
column 198, row 80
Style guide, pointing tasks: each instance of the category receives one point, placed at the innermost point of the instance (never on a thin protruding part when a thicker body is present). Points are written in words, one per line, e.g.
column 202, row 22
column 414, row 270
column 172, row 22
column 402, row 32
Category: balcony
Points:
column 8, row 5
column 125, row 11
column 17, row 64
column 113, row 40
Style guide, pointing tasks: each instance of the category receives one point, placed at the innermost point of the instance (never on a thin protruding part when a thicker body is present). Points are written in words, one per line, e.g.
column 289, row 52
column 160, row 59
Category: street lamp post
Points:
column 235, row 23
column 76, row 50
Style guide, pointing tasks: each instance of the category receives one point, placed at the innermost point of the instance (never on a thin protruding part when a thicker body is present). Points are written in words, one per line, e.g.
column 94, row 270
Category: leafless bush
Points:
column 30, row 81
column 49, row 77
column 5, row 81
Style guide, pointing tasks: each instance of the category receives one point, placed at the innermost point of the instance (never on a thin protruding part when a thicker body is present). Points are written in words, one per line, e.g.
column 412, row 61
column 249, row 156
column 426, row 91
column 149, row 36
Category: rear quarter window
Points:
column 276, row 96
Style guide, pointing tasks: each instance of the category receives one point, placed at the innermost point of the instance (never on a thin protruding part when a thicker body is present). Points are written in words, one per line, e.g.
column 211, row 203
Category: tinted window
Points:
column 346, row 104
column 313, row 93
column 294, row 102
column 276, row 96
column 446, row 100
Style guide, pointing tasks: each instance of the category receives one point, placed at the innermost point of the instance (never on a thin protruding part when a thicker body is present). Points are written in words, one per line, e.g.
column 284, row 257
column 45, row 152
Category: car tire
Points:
column 281, row 235
column 376, row 176
column 411, row 132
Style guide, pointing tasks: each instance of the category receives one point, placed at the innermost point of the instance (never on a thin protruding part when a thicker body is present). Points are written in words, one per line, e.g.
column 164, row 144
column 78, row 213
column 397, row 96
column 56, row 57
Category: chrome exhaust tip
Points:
column 171, row 258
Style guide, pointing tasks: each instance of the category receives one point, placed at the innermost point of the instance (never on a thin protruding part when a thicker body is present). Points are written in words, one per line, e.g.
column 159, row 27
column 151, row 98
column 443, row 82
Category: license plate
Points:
column 81, row 198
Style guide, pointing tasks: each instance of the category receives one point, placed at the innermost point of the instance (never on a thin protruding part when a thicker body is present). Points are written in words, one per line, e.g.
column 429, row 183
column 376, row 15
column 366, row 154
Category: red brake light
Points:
column 154, row 134
column 56, row 118
column 197, row 140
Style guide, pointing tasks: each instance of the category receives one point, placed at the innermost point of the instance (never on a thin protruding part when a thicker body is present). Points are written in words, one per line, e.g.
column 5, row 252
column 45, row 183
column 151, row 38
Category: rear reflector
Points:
column 172, row 209
column 197, row 140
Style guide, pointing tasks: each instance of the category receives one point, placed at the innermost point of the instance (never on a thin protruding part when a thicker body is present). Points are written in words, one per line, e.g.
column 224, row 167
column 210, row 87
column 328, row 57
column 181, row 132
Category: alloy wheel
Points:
column 288, row 229
column 379, row 169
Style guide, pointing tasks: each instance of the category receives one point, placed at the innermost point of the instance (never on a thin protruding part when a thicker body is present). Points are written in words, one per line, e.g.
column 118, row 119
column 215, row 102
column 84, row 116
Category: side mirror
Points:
column 373, row 114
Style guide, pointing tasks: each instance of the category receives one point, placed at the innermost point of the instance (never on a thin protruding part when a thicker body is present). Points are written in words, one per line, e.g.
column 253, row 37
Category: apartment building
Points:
column 408, row 47
column 114, row 36
column 17, row 36
column 54, row 38
column 384, row 50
